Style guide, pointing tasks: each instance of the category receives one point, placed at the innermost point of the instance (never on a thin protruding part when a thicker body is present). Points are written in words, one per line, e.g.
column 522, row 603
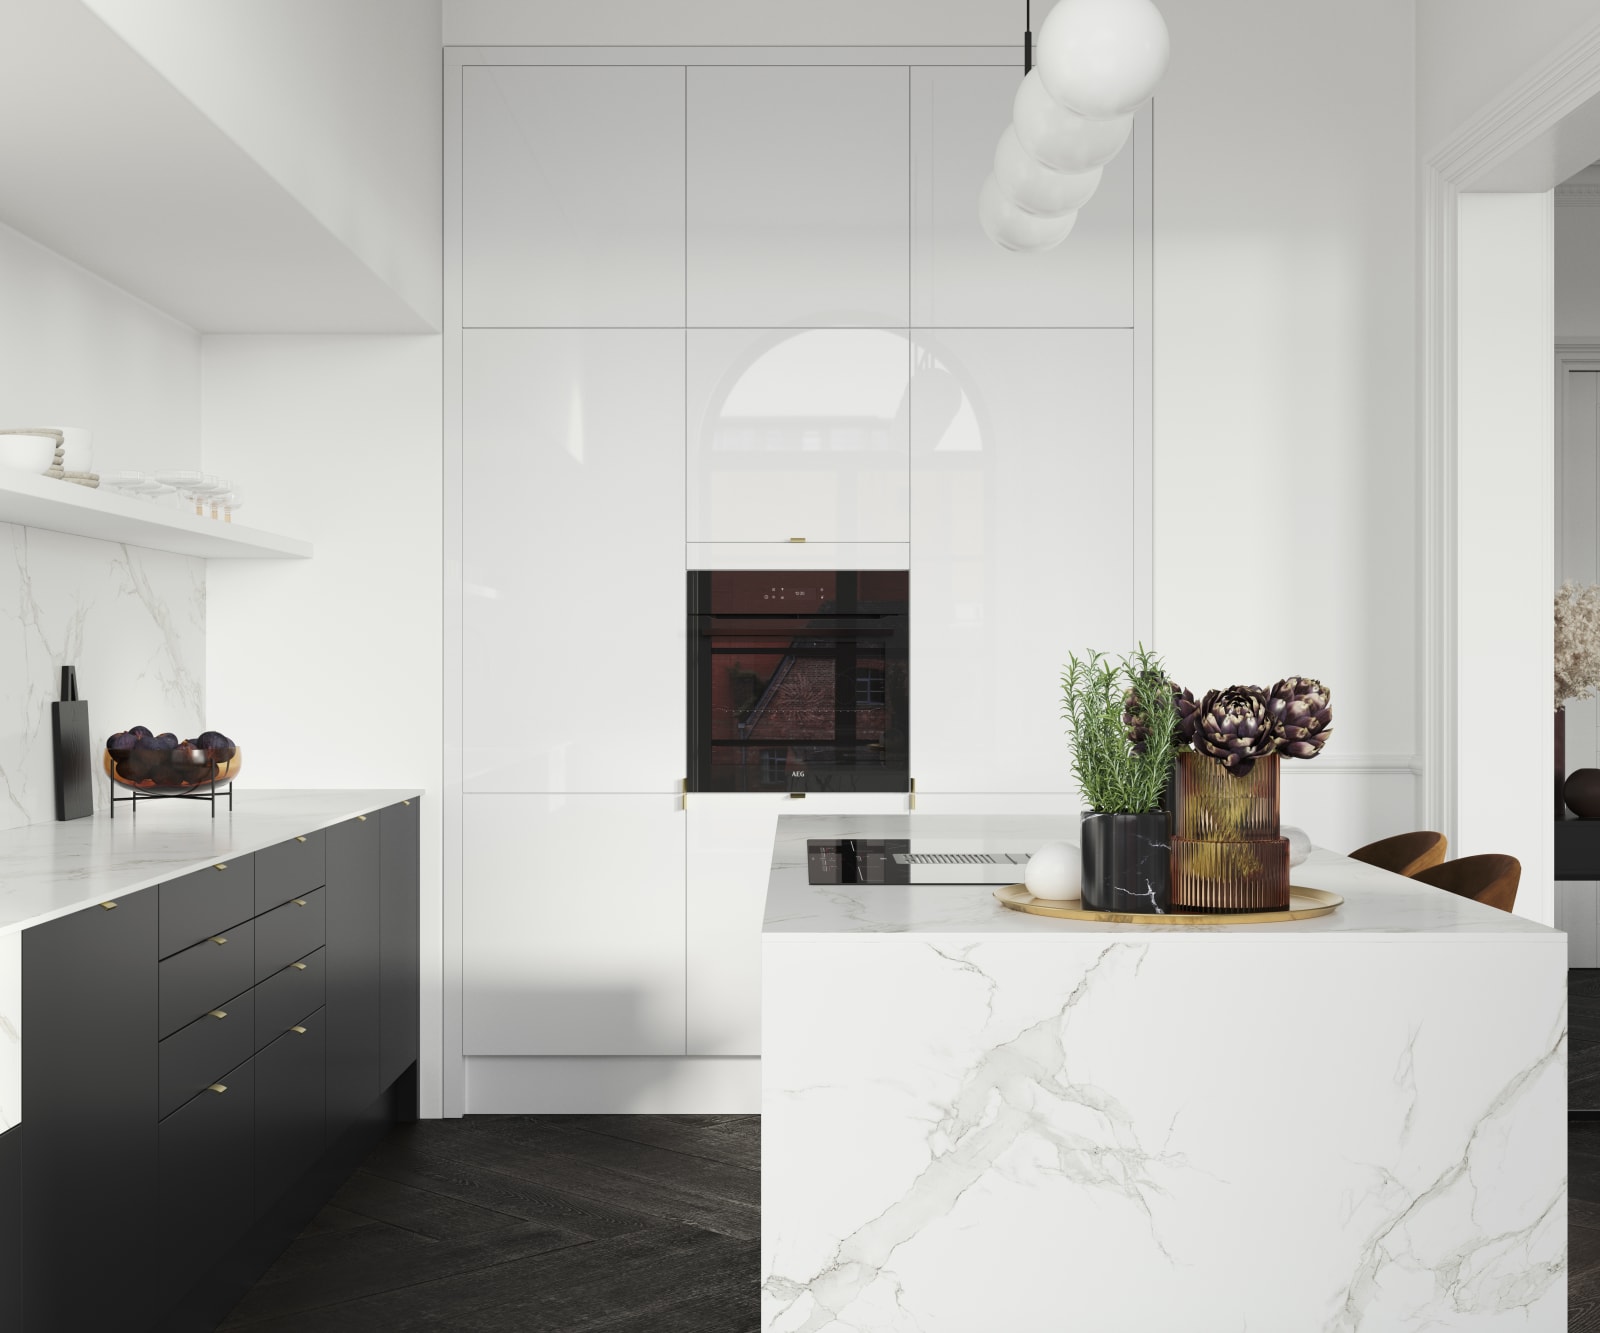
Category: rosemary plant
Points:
column 1114, row 776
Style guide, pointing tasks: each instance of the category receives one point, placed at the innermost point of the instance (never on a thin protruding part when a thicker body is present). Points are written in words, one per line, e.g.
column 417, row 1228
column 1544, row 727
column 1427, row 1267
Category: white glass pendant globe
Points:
column 1055, row 872
column 1036, row 188
column 1063, row 139
column 1102, row 58
column 1014, row 228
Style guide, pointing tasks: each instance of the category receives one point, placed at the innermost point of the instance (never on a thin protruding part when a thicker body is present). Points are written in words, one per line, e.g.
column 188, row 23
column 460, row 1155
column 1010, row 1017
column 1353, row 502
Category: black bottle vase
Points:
column 1127, row 863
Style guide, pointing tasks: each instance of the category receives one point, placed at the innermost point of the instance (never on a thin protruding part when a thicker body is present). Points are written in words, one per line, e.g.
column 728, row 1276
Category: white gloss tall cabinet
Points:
column 730, row 308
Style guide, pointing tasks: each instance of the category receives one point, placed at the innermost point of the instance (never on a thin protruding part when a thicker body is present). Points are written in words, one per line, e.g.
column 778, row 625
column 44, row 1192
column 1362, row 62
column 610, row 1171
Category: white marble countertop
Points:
column 51, row 870
column 1377, row 904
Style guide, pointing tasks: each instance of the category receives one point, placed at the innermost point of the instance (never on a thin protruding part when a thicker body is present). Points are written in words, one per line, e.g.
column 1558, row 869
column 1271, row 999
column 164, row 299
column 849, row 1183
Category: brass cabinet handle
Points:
column 912, row 803
column 683, row 793
column 405, row 802
column 299, row 902
column 298, row 967
column 221, row 865
column 218, row 1013
column 299, row 837
column 361, row 819
column 299, row 1029
column 110, row 907
column 797, row 539
column 219, row 939
column 218, row 1087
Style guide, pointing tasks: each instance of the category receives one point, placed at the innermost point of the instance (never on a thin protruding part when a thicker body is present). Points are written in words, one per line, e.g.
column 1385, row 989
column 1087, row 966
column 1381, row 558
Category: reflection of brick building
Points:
column 773, row 703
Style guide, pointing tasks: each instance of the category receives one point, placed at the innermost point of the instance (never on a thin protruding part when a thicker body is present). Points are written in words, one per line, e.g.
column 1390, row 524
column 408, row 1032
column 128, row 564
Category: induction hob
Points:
column 912, row 861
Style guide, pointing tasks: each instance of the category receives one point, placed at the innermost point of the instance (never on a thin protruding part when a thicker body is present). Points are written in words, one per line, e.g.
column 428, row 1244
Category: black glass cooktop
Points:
column 895, row 861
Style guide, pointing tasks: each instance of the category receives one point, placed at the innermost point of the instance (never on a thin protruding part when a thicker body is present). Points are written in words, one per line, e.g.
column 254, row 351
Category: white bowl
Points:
column 27, row 453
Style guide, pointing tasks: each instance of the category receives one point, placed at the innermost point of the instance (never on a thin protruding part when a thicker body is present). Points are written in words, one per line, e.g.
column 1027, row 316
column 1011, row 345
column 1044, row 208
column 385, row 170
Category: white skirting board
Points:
column 612, row 1085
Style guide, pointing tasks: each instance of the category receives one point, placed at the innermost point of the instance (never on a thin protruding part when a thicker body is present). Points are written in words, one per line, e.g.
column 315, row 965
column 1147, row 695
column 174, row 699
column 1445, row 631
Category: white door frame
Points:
column 1509, row 146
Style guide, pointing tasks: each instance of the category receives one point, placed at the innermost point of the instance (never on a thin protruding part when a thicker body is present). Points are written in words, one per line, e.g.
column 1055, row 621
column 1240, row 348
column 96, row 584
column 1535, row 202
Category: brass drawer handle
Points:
column 299, row 1029
column 299, row 902
column 218, row 1013
column 221, row 865
column 110, row 907
column 298, row 967
column 218, row 1087
column 219, row 939
column 299, row 837
column 405, row 802
column 361, row 819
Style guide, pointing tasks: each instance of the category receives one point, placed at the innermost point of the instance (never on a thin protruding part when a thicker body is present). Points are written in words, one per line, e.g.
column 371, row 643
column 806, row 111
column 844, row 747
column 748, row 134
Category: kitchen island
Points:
column 978, row 1119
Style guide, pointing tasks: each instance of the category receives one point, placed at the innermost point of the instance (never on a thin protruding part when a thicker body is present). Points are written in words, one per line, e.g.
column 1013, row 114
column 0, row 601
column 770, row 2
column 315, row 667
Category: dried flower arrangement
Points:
column 1243, row 723
column 1577, row 674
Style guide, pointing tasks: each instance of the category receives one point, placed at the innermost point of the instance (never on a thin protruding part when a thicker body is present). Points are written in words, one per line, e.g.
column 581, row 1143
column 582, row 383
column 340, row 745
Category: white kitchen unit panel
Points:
column 799, row 555
column 730, row 858
column 1022, row 525
column 798, row 196
column 798, row 434
column 573, row 919
column 572, row 195
column 573, row 598
column 959, row 277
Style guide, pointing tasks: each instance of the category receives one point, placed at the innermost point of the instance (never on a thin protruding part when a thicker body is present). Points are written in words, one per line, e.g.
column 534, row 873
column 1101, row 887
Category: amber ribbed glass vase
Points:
column 1221, row 806
column 1227, row 855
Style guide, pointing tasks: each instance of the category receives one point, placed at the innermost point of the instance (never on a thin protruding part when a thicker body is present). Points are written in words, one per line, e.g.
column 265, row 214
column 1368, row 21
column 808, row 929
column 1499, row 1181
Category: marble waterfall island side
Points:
column 975, row 1119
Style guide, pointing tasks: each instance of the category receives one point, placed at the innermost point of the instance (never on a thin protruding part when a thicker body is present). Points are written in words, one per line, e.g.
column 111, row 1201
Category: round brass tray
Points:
column 1303, row 903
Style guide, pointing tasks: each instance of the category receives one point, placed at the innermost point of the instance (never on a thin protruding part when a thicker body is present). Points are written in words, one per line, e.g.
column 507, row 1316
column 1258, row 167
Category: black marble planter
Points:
column 1127, row 863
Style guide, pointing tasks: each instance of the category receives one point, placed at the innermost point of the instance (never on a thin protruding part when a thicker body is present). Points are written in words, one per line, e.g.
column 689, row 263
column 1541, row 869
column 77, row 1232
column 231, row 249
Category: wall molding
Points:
column 1578, row 196
column 1525, row 111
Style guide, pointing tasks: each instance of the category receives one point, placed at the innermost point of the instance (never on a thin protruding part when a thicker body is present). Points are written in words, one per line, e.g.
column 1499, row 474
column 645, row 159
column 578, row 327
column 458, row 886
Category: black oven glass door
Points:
column 798, row 681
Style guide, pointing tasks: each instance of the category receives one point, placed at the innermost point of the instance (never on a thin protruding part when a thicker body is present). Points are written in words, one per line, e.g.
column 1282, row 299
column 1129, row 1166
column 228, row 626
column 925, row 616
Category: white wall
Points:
column 1284, row 381
column 1470, row 51
column 1578, row 258
column 338, row 102
column 329, row 670
column 76, row 351
column 1505, row 551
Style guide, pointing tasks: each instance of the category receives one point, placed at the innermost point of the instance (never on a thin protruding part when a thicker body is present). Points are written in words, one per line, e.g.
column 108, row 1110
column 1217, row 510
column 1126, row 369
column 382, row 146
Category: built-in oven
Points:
column 798, row 681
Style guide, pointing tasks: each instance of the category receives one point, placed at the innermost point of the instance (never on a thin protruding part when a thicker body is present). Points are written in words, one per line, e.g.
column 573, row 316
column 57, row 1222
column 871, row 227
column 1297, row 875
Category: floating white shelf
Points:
column 60, row 506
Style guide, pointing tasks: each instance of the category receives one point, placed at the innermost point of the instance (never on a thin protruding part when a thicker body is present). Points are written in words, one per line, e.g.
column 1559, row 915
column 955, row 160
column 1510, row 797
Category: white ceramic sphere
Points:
column 1063, row 139
column 1299, row 843
column 1102, row 58
column 1036, row 188
column 1016, row 229
column 1055, row 872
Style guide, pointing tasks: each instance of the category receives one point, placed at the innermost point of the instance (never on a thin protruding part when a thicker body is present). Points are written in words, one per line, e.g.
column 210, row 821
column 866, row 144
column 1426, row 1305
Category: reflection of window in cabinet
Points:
column 871, row 687
column 774, row 768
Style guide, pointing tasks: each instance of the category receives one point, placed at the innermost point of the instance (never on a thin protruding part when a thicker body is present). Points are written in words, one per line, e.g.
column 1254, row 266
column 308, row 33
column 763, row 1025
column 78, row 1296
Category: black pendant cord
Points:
column 1027, row 37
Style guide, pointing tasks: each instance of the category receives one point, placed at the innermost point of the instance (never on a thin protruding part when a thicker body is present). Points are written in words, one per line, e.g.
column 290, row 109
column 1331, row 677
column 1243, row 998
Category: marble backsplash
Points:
column 133, row 621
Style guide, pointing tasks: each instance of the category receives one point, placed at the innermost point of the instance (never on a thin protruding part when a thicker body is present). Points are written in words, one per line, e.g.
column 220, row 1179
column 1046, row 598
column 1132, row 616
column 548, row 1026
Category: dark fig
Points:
column 143, row 732
column 165, row 741
column 138, row 763
column 213, row 740
column 122, row 740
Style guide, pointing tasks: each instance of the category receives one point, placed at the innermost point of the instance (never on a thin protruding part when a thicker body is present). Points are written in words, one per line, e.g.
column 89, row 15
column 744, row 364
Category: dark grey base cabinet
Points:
column 186, row 1105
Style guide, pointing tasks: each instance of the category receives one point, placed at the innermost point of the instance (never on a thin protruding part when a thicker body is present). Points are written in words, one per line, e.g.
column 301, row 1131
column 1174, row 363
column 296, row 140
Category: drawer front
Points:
column 291, row 1095
column 205, row 975
column 207, row 1173
column 291, row 870
column 286, row 997
column 195, row 1057
column 206, row 903
column 290, row 932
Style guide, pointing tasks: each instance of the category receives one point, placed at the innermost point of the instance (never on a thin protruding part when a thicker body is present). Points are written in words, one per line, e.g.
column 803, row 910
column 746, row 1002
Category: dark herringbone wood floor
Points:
column 532, row 1224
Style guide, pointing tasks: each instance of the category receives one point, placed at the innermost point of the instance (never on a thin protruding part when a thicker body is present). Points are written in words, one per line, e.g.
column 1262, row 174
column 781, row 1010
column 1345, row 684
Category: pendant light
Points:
column 1098, row 60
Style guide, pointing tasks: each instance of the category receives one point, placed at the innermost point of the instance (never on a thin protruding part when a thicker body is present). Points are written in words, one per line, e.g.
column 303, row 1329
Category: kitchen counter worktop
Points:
column 51, row 870
column 973, row 1118
column 1376, row 902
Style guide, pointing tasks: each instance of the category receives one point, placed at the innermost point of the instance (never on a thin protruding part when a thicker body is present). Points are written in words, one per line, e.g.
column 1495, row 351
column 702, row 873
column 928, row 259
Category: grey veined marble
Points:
column 969, row 1126
column 133, row 621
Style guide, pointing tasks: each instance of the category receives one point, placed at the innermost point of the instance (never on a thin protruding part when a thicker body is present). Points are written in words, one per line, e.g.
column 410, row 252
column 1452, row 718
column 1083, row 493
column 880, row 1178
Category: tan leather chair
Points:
column 1405, row 853
column 1490, row 879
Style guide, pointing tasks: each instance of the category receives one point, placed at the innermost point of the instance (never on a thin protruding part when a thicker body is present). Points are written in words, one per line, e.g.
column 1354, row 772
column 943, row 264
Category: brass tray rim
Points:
column 1321, row 902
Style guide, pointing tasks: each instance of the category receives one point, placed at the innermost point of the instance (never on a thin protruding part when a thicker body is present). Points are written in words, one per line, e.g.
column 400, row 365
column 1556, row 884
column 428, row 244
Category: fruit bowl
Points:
column 180, row 769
